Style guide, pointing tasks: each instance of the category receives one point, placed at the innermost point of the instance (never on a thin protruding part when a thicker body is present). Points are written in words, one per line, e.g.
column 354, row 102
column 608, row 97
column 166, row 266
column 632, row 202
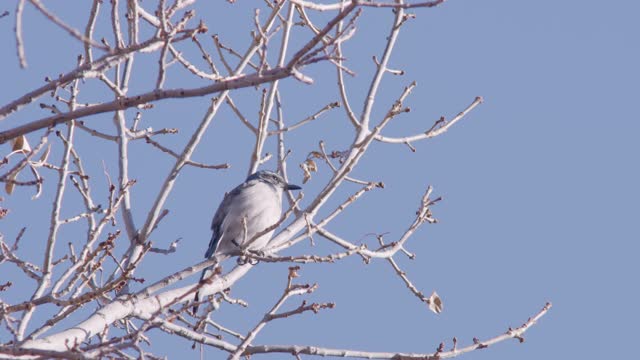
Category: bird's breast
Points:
column 260, row 206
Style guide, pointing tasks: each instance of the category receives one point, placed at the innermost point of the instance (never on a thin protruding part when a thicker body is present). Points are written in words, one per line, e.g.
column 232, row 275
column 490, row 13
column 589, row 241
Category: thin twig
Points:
column 19, row 42
column 73, row 32
column 290, row 290
column 310, row 118
column 85, row 71
column 439, row 127
column 188, row 162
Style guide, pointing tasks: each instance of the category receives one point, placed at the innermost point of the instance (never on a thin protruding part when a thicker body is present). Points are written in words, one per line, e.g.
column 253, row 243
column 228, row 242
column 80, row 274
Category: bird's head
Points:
column 272, row 178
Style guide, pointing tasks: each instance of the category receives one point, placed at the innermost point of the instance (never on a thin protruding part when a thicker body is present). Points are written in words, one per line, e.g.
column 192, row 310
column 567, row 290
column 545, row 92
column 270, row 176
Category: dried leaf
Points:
column 20, row 144
column 315, row 154
column 293, row 272
column 435, row 303
column 312, row 165
column 308, row 166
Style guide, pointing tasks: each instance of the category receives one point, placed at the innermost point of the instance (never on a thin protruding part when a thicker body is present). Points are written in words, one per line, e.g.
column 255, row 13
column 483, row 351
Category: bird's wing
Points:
column 217, row 224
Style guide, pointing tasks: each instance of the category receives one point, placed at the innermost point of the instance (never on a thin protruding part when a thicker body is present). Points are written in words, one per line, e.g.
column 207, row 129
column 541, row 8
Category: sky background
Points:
column 540, row 182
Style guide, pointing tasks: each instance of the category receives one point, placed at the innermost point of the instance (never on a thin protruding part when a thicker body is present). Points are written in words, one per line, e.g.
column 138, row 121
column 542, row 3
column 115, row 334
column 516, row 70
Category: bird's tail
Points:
column 206, row 273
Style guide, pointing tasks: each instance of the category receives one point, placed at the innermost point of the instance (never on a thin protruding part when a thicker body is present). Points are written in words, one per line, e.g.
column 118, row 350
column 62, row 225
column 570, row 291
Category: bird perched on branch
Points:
column 246, row 218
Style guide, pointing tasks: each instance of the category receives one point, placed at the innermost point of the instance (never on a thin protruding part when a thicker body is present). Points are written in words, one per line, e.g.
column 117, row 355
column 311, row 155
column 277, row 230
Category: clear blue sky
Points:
column 540, row 183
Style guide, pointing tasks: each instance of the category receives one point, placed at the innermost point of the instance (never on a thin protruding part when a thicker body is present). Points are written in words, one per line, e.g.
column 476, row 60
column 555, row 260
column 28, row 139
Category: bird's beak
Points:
column 292, row 187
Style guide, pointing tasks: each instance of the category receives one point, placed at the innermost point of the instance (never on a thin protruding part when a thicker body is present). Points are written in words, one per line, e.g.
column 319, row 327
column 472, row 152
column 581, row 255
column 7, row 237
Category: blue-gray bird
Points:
column 245, row 211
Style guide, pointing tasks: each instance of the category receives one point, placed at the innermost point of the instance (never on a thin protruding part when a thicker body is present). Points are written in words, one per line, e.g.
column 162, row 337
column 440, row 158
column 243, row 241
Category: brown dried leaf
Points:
column 312, row 165
column 20, row 144
column 293, row 272
column 308, row 166
column 315, row 154
column 435, row 303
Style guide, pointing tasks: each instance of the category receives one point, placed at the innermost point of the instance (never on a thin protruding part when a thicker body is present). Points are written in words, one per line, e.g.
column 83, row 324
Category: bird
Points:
column 249, row 209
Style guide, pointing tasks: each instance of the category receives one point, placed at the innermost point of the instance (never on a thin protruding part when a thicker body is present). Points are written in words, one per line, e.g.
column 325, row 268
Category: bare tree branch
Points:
column 102, row 231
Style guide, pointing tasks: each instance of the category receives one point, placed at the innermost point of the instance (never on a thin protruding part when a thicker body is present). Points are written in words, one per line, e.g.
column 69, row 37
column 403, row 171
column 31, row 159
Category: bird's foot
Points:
column 244, row 259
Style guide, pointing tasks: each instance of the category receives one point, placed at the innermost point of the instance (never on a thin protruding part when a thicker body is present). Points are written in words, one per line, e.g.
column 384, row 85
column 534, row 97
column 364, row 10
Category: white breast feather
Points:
column 261, row 205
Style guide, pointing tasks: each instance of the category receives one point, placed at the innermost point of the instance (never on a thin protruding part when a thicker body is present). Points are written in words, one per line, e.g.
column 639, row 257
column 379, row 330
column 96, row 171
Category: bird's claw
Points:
column 243, row 259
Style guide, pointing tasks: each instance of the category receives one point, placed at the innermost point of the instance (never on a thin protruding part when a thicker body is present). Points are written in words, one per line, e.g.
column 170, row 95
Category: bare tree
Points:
column 288, row 39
